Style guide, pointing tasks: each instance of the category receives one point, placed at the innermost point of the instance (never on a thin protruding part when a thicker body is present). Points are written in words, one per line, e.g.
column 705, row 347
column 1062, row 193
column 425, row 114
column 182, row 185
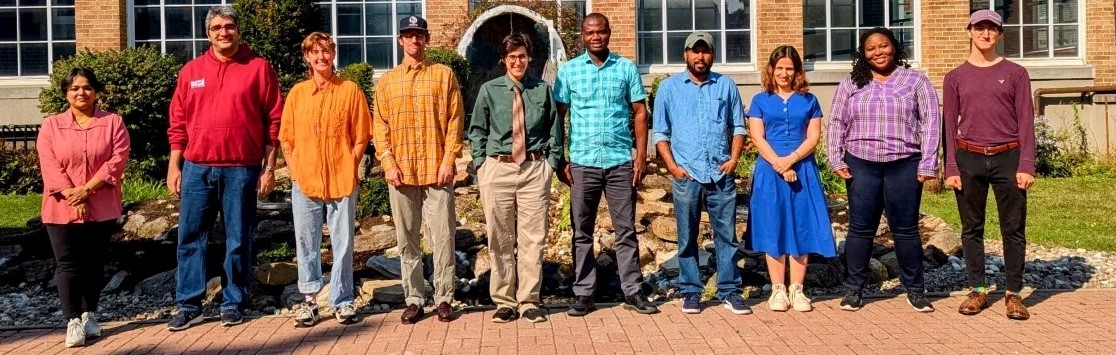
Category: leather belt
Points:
column 531, row 156
column 993, row 150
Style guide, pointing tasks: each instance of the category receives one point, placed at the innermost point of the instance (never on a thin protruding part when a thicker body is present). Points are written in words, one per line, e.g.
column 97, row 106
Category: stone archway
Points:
column 481, row 41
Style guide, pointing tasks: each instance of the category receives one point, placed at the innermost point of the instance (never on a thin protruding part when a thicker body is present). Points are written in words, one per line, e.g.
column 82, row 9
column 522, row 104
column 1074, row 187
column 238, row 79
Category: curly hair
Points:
column 798, row 83
column 862, row 70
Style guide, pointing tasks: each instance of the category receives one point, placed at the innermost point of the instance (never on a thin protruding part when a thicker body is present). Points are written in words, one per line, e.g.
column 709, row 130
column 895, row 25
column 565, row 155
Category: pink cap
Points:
column 985, row 15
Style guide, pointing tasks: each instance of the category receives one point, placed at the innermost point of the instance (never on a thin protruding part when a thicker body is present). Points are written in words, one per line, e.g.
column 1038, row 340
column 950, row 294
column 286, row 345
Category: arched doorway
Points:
column 480, row 45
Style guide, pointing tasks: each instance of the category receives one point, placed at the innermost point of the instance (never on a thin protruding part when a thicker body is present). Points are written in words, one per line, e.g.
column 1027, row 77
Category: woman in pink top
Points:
column 82, row 154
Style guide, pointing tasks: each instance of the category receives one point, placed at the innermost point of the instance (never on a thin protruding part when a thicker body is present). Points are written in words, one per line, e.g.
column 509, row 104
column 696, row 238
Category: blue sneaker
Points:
column 691, row 303
column 736, row 304
column 231, row 317
column 185, row 319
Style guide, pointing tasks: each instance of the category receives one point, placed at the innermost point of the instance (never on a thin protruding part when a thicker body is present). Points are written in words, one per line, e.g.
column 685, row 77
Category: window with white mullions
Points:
column 662, row 27
column 33, row 34
column 832, row 28
column 1037, row 29
column 173, row 26
column 366, row 31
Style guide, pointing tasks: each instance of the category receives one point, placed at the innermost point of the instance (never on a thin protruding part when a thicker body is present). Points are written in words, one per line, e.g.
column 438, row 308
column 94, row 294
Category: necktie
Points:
column 519, row 128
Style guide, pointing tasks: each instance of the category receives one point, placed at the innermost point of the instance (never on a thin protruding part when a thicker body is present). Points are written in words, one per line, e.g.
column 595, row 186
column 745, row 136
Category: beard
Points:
column 698, row 72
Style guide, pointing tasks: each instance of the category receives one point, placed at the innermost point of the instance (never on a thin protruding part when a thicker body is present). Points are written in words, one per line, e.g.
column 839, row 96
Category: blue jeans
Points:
column 308, row 217
column 719, row 200
column 205, row 191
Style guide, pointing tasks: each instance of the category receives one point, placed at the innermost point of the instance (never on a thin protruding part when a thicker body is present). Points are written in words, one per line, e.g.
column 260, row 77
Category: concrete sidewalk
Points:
column 1066, row 322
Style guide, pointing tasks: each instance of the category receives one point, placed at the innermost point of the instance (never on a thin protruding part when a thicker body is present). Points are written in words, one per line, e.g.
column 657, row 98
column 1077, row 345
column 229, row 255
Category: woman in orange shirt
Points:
column 324, row 131
column 82, row 154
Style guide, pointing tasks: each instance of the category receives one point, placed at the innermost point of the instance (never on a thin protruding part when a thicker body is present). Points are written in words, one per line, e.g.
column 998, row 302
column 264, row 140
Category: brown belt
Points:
column 531, row 156
column 993, row 150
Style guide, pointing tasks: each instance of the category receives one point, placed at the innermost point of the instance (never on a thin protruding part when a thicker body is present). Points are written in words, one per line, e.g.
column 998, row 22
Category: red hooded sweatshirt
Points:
column 225, row 113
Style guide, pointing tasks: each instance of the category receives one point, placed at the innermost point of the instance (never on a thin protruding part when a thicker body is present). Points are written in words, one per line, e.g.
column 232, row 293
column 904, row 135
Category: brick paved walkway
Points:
column 1073, row 322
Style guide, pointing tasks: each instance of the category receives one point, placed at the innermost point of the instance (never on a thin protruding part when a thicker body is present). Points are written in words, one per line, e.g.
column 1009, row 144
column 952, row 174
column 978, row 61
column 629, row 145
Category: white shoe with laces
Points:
column 798, row 299
column 778, row 301
column 75, row 333
column 92, row 328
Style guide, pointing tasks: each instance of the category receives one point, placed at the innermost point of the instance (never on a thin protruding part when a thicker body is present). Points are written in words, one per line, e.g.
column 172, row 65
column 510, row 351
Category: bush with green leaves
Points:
column 461, row 67
column 274, row 29
column 139, row 83
column 373, row 200
column 19, row 172
column 362, row 75
column 1058, row 153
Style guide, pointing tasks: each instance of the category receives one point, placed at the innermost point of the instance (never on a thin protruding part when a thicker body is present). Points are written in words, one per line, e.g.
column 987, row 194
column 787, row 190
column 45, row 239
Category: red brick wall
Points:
column 778, row 22
column 944, row 44
column 446, row 21
column 1100, row 40
column 622, row 18
column 101, row 24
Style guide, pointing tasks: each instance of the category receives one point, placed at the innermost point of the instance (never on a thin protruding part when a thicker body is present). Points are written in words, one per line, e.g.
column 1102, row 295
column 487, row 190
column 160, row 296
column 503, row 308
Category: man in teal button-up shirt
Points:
column 698, row 118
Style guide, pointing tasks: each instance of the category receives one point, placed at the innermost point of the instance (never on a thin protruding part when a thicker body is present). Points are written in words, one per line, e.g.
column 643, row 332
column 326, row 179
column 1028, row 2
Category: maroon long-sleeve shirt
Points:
column 989, row 106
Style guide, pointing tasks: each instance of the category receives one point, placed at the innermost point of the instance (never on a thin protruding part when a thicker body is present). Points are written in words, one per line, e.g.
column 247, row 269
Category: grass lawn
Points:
column 1077, row 212
column 15, row 210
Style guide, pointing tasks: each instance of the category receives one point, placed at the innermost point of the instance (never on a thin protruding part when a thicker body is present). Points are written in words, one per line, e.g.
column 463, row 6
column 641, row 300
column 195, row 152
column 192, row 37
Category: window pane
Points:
column 379, row 53
column 349, row 51
column 844, row 13
column 379, row 19
column 679, row 16
column 33, row 25
column 650, row 48
column 7, row 25
column 676, row 43
column 737, row 15
column 179, row 23
column 650, row 15
column 147, row 23
column 1009, row 42
column 348, row 20
column 32, row 2
column 9, row 62
column 707, row 15
column 33, row 59
column 902, row 13
column 815, row 45
column 200, row 47
column 871, row 13
column 738, row 46
column 63, row 24
column 200, row 31
column 62, row 2
column 844, row 45
column 1065, row 41
column 1065, row 11
column 1035, row 42
column 1034, row 11
column 813, row 13
column 184, row 50
column 906, row 40
column 978, row 5
column 63, row 50
column 408, row 9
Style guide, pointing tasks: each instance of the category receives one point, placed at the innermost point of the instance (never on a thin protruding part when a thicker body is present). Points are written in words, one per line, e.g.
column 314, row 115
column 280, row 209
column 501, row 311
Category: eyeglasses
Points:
column 517, row 58
column 228, row 28
column 983, row 29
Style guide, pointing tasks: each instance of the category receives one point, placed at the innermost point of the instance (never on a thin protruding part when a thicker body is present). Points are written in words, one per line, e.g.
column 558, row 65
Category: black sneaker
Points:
column 534, row 315
column 583, row 306
column 640, row 304
column 918, row 301
column 184, row 319
column 231, row 317
column 504, row 315
column 691, row 303
column 736, row 304
column 852, row 300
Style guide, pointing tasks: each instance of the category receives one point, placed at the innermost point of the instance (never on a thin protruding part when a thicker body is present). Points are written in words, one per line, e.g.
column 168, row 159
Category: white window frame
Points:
column 330, row 7
column 50, row 41
column 1050, row 59
column 161, row 42
column 721, row 64
column 913, row 58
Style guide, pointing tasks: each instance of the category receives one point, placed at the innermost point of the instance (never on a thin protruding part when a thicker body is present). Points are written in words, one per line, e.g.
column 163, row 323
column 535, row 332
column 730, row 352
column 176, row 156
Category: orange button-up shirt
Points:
column 418, row 120
column 322, row 128
column 71, row 156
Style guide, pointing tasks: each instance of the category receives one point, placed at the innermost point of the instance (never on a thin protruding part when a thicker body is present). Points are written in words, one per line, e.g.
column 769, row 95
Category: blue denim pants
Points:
column 340, row 214
column 719, row 200
column 205, row 192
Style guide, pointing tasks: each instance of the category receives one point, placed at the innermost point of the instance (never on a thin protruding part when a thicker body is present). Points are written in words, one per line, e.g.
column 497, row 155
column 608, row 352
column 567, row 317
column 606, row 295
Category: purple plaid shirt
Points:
column 884, row 122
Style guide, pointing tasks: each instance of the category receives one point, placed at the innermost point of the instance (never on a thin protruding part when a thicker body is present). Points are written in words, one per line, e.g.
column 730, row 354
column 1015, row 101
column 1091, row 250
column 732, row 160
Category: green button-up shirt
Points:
column 490, row 128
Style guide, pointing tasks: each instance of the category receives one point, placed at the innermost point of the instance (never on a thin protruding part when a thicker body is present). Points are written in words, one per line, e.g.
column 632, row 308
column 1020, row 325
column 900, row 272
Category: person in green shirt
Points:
column 516, row 140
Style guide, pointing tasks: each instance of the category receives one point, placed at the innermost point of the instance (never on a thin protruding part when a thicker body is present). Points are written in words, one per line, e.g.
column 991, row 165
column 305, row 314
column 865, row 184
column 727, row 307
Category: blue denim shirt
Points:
column 699, row 121
column 599, row 100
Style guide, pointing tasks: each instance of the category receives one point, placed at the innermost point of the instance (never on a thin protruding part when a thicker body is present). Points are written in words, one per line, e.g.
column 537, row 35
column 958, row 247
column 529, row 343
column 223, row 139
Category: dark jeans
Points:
column 79, row 263
column 205, row 191
column 719, row 199
column 978, row 171
column 585, row 197
column 876, row 188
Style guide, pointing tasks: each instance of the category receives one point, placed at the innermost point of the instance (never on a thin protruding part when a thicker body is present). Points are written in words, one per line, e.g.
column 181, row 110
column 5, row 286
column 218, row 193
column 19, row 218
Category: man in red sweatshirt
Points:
column 224, row 125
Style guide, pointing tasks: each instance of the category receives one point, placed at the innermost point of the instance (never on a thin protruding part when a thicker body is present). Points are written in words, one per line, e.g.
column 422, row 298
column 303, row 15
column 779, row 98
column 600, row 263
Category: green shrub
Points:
column 139, row 190
column 373, row 199
column 275, row 30
column 19, row 172
column 139, row 83
column 831, row 183
column 362, row 75
column 1057, row 153
column 461, row 67
column 279, row 252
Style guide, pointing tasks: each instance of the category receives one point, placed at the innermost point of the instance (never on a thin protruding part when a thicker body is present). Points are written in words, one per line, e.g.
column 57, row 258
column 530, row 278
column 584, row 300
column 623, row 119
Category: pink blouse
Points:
column 70, row 156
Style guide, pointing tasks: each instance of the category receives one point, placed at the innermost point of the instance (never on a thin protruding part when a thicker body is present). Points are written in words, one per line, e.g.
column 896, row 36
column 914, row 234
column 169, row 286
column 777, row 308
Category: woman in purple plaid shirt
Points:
column 883, row 140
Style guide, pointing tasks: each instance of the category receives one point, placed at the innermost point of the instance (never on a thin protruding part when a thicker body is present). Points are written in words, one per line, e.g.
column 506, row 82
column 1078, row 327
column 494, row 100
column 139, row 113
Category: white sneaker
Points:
column 799, row 300
column 75, row 333
column 92, row 328
column 778, row 301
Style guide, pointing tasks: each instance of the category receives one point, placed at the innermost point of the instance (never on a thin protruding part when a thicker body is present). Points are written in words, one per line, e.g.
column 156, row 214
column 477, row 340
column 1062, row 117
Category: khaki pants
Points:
column 515, row 199
column 410, row 207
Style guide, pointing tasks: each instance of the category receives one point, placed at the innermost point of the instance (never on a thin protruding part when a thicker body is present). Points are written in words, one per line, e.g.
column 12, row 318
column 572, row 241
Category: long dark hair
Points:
column 862, row 70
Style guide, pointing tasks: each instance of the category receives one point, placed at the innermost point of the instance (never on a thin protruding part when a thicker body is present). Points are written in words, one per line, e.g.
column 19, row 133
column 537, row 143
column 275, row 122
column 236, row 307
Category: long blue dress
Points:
column 788, row 218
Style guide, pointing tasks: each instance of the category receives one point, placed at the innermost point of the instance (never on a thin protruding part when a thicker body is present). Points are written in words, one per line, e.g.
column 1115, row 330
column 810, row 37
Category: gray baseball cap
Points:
column 693, row 39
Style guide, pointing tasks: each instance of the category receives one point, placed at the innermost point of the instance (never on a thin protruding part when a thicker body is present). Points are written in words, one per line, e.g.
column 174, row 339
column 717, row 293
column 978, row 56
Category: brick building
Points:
column 1063, row 42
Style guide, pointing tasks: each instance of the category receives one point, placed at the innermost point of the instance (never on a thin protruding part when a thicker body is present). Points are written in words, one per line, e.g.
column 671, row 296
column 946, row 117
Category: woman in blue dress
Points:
column 788, row 212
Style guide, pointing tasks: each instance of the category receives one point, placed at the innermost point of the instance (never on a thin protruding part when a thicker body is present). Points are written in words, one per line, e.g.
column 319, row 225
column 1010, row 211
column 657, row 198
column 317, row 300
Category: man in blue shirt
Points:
column 698, row 118
column 603, row 92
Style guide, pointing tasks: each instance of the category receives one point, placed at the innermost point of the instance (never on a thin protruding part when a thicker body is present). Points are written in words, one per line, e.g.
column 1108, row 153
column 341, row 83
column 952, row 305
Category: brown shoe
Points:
column 444, row 311
column 1015, row 308
column 974, row 303
column 412, row 314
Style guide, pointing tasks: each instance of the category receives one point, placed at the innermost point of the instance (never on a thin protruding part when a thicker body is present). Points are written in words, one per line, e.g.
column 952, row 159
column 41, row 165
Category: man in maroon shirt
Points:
column 990, row 141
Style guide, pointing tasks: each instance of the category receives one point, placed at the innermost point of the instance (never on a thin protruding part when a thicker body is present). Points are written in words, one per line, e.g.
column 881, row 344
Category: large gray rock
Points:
column 35, row 271
column 823, row 275
column 269, row 229
column 652, row 194
column 374, row 238
column 483, row 263
column 891, row 262
column 9, row 253
column 114, row 283
column 877, row 272
column 941, row 245
column 158, row 285
column 389, row 267
column 213, row 290
column 139, row 225
column 665, row 228
column 277, row 274
column 384, row 291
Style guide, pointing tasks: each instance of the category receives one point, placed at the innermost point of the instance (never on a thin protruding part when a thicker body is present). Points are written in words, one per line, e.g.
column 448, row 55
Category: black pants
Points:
column 585, row 197
column 876, row 188
column 978, row 172
column 79, row 263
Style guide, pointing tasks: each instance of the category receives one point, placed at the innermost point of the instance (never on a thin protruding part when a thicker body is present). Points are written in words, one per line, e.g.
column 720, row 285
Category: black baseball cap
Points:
column 412, row 22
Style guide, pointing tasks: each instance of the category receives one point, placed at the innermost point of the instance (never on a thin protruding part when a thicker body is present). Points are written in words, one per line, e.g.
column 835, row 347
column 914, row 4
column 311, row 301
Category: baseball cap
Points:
column 412, row 23
column 985, row 15
column 693, row 39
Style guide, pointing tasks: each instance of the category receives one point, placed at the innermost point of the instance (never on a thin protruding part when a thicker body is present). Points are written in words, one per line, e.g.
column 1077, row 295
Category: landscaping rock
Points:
column 157, row 286
column 213, row 290
column 8, row 254
column 891, row 262
column 114, row 283
column 823, row 275
column 389, row 267
column 374, row 238
column 384, row 291
column 483, row 263
column 36, row 271
column 665, row 228
column 877, row 271
column 277, row 274
column 652, row 195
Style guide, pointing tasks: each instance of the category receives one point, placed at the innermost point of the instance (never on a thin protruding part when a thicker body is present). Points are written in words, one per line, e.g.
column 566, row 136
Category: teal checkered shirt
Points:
column 600, row 101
